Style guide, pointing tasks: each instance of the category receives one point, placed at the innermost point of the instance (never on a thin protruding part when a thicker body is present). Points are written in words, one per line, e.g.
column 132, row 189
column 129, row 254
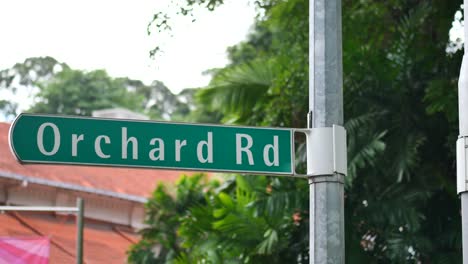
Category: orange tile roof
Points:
column 62, row 233
column 127, row 181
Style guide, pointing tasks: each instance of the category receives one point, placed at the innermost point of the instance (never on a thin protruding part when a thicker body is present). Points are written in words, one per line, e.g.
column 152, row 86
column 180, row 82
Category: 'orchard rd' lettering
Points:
column 49, row 139
column 129, row 146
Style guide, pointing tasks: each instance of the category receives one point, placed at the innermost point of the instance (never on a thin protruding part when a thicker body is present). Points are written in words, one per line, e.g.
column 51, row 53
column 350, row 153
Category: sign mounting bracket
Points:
column 326, row 151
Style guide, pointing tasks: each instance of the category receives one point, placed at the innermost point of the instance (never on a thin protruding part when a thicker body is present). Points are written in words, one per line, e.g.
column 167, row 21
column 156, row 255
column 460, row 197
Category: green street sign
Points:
column 147, row 144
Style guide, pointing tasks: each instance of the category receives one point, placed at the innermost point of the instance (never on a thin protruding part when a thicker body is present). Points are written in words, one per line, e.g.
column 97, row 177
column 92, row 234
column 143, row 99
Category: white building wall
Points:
column 138, row 217
column 32, row 196
column 98, row 207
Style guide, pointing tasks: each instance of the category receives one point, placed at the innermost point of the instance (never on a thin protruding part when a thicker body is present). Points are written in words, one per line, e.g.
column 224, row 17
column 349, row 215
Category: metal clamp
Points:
column 462, row 164
column 326, row 151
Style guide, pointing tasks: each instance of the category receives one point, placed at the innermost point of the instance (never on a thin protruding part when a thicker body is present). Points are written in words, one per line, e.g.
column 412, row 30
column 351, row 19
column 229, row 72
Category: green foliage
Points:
column 164, row 213
column 401, row 117
column 237, row 91
column 19, row 81
column 159, row 102
column 31, row 71
column 198, row 113
column 258, row 44
column 399, row 157
column 245, row 220
column 38, row 81
column 73, row 92
column 263, row 85
column 8, row 109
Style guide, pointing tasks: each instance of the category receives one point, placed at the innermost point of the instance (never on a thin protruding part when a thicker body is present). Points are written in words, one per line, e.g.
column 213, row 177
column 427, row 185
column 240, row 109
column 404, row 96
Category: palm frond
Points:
column 407, row 30
column 406, row 156
column 236, row 91
column 363, row 152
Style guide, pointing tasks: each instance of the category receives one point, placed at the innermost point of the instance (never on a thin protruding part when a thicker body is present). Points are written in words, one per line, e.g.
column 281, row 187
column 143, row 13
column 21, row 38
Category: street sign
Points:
column 133, row 143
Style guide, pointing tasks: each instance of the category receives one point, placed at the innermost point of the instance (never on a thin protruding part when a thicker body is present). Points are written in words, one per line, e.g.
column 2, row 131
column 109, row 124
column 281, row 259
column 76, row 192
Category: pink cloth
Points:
column 24, row 250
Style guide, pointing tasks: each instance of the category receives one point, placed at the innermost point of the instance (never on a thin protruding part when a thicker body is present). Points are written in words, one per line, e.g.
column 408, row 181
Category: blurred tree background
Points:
column 44, row 85
column 400, row 105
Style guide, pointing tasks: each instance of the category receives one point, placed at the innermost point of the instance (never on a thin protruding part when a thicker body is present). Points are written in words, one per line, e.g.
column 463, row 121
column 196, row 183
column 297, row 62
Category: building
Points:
column 119, row 113
column 114, row 204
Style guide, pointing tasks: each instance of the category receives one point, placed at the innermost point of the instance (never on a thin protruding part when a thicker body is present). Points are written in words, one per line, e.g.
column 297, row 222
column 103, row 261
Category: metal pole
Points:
column 464, row 201
column 325, row 109
column 79, row 231
column 463, row 127
column 39, row 208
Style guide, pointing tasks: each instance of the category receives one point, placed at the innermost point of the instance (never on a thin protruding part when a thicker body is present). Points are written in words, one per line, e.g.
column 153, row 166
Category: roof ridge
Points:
column 74, row 187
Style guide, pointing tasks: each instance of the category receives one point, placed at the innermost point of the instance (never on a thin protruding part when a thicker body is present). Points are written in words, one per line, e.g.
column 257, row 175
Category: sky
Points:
column 112, row 35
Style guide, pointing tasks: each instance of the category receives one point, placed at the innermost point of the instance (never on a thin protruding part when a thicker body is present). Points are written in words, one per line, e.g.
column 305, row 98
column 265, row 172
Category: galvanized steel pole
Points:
column 325, row 110
column 461, row 149
column 79, row 230
column 464, row 202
